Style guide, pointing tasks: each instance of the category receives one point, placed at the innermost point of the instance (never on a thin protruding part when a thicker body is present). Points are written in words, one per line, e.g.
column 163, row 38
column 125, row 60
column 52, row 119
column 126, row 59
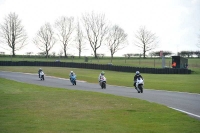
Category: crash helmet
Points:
column 40, row 68
column 137, row 73
column 71, row 72
column 102, row 73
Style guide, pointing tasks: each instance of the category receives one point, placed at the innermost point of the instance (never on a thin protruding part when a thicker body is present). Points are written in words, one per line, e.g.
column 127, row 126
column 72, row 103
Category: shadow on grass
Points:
column 131, row 110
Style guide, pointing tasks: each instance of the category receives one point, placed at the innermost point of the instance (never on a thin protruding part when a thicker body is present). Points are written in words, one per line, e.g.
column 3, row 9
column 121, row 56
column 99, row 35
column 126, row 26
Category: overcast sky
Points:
column 175, row 22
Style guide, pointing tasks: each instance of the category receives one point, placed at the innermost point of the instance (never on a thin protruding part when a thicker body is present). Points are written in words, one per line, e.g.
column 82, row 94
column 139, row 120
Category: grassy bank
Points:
column 31, row 108
column 170, row 82
column 194, row 63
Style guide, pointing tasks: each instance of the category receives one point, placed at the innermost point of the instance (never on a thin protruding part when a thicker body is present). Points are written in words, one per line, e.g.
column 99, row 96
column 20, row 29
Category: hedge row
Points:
column 98, row 66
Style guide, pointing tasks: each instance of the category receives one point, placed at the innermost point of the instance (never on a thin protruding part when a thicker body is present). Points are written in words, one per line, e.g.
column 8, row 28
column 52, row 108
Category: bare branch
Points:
column 65, row 28
column 96, row 30
column 12, row 33
column 146, row 40
column 80, row 44
column 116, row 39
column 45, row 39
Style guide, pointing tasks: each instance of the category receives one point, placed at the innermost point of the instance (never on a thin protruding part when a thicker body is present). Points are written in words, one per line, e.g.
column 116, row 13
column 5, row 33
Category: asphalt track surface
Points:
column 188, row 103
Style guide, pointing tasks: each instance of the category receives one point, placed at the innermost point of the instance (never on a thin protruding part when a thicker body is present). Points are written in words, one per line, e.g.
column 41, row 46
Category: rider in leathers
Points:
column 71, row 74
column 137, row 74
column 100, row 75
column 39, row 72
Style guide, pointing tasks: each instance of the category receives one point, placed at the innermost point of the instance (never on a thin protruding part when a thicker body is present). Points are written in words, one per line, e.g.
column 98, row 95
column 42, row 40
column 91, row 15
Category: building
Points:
column 180, row 62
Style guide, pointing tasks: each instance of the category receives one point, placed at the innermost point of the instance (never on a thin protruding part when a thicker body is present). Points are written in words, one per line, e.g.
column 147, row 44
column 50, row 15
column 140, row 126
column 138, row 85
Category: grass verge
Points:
column 31, row 108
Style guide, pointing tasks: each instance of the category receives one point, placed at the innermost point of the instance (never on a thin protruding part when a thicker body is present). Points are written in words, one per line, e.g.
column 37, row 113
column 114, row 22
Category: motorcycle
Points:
column 41, row 75
column 139, row 85
column 103, row 82
column 73, row 79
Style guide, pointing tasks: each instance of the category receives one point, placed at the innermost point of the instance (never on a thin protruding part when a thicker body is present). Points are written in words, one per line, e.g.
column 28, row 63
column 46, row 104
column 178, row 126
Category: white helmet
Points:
column 137, row 72
column 71, row 72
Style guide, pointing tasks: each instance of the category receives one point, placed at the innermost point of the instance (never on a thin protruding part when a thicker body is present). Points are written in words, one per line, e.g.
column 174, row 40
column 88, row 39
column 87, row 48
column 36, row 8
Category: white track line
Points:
column 185, row 112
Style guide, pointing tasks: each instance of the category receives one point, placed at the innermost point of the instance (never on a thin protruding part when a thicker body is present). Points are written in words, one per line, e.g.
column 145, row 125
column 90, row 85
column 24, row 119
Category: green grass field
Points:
column 171, row 82
column 194, row 63
column 32, row 108
column 27, row 108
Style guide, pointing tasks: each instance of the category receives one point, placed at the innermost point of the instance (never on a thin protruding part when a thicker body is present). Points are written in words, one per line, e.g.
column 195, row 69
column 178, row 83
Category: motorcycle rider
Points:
column 40, row 69
column 100, row 76
column 71, row 74
column 137, row 75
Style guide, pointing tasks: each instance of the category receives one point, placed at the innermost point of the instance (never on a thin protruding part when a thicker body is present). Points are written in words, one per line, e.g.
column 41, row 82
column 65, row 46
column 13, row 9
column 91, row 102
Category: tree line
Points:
column 186, row 54
column 92, row 29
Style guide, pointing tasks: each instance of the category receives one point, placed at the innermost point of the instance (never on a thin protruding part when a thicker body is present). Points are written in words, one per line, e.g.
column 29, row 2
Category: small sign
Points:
column 161, row 53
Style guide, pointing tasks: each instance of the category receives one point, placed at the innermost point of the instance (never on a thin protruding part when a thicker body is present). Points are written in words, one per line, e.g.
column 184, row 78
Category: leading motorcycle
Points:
column 139, row 85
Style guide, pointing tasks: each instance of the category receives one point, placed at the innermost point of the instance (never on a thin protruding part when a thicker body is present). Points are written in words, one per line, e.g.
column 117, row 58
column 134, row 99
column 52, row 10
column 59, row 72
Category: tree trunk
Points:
column 65, row 52
column 47, row 54
column 144, row 51
column 95, row 53
column 111, row 58
column 144, row 54
column 13, row 52
column 79, row 54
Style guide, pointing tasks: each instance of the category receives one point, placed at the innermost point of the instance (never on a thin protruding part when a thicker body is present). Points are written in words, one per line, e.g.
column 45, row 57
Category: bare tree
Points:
column 146, row 40
column 29, row 53
column 128, row 55
column 45, row 39
column 186, row 53
column 96, row 30
column 198, row 44
column 157, row 53
column 12, row 33
column 60, row 53
column 65, row 27
column 116, row 39
column 197, row 53
column 80, row 45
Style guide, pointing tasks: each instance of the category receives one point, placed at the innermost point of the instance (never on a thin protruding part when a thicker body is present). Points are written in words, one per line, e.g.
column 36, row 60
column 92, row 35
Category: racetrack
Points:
column 185, row 102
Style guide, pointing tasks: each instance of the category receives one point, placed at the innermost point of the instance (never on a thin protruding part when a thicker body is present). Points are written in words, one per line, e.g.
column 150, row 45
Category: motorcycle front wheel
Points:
column 141, row 88
column 103, row 85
